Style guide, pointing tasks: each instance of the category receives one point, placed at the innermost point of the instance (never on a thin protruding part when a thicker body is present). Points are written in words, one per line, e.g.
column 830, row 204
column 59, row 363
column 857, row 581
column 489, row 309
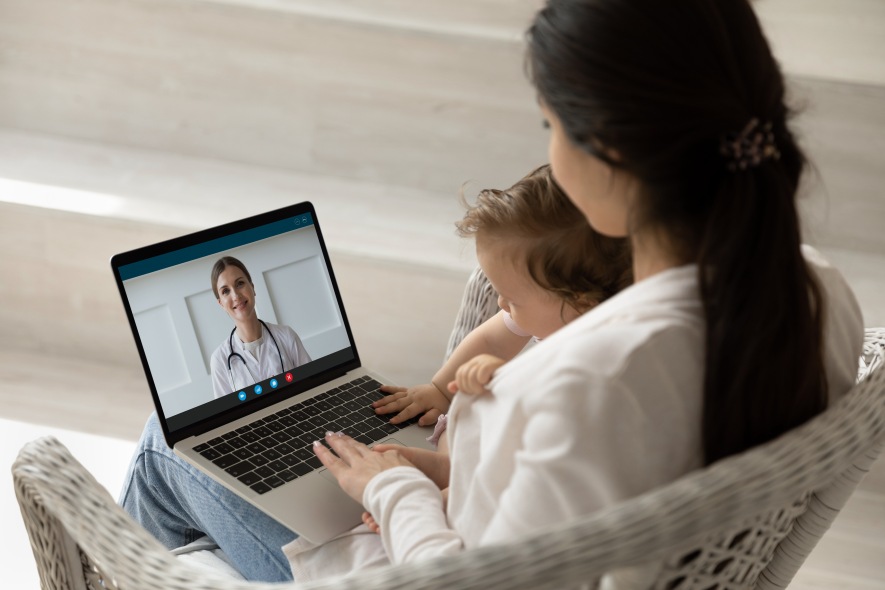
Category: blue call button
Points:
column 242, row 396
column 257, row 390
column 274, row 383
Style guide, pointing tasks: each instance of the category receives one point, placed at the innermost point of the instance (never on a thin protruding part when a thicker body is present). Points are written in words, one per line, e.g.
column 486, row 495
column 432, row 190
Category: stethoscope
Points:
column 233, row 354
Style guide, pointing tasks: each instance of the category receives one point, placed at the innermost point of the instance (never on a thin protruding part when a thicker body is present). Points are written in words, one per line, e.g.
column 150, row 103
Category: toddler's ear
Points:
column 583, row 302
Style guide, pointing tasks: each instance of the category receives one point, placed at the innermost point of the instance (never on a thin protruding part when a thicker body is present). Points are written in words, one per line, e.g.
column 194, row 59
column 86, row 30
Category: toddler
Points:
column 547, row 266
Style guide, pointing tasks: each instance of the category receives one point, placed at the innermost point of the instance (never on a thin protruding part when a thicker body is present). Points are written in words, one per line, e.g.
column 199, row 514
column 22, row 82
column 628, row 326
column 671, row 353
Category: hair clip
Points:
column 749, row 148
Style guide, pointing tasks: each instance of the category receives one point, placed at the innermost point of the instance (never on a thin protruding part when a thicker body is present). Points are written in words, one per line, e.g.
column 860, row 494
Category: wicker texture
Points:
column 740, row 523
column 479, row 303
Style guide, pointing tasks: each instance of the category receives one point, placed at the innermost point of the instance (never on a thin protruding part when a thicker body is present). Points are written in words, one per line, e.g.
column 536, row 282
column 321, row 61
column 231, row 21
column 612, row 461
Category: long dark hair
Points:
column 652, row 88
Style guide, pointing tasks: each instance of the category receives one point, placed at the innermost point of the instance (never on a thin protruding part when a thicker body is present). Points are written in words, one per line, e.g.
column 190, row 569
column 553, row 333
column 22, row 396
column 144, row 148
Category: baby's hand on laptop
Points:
column 473, row 376
column 411, row 401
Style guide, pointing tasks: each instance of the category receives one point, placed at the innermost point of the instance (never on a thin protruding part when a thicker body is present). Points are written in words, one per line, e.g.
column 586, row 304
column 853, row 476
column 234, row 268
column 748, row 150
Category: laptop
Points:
column 252, row 431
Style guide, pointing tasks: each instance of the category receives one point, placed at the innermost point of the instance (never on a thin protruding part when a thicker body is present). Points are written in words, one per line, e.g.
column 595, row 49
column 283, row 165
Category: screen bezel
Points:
column 239, row 409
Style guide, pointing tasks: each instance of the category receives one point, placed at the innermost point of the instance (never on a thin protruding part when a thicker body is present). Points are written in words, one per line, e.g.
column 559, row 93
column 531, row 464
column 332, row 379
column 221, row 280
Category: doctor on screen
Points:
column 255, row 350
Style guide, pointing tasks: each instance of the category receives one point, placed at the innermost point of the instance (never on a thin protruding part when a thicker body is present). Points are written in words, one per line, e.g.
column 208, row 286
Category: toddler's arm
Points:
column 492, row 337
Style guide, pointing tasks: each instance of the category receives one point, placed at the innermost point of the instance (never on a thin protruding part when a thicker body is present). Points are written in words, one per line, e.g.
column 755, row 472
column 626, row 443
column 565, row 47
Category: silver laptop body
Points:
column 256, row 440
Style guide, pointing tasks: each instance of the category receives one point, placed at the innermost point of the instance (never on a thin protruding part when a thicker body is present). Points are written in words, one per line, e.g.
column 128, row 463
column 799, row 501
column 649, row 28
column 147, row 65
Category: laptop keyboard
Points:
column 277, row 449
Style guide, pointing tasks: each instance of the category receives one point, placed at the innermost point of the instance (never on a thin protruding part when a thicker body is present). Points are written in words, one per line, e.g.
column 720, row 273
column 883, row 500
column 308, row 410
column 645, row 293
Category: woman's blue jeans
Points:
column 178, row 504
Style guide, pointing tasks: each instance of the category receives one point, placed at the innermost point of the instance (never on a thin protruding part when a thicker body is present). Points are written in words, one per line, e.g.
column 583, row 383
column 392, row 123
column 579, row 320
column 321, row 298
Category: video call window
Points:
column 235, row 318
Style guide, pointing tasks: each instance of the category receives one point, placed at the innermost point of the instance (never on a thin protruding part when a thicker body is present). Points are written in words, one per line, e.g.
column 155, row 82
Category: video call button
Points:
column 257, row 390
column 242, row 396
column 274, row 383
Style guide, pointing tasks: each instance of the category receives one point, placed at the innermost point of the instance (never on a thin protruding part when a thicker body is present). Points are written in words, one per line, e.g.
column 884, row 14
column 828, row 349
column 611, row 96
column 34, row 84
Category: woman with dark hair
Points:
column 668, row 127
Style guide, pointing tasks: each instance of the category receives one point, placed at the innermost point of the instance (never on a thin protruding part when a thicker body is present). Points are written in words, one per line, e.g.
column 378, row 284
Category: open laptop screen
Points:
column 186, row 298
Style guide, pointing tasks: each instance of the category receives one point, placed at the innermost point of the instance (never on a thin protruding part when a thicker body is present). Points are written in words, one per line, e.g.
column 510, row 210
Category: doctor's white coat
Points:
column 242, row 375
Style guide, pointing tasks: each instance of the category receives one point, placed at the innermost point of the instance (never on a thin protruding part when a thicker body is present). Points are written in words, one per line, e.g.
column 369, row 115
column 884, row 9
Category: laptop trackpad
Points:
column 387, row 441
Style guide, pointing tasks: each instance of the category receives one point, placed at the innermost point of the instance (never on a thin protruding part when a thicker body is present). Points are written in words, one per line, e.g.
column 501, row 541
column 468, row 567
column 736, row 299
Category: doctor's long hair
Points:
column 662, row 85
column 221, row 264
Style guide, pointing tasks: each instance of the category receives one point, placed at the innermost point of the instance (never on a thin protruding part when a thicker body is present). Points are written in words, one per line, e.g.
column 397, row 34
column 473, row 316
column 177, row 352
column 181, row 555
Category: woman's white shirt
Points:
column 605, row 409
column 256, row 367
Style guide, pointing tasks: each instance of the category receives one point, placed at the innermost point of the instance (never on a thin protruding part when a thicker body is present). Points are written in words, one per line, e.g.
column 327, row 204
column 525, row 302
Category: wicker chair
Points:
column 748, row 521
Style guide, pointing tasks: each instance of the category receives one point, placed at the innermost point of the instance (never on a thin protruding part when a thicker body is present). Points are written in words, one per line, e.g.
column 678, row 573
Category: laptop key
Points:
column 240, row 468
column 255, row 447
column 285, row 449
column 249, row 437
column 261, row 487
column 291, row 460
column 329, row 415
column 243, row 453
column 249, row 478
column 353, row 405
column 272, row 454
column 287, row 421
column 348, row 395
column 361, row 428
column 317, row 421
column 226, row 461
column 259, row 460
column 201, row 447
column 294, row 431
column 315, row 463
column 281, row 437
column 376, row 434
column 277, row 466
column 262, row 431
column 345, row 421
column 264, row 471
column 223, row 448
column 301, row 469
column 389, row 428
column 237, row 442
column 286, row 475
column 275, row 426
column 304, row 454
column 274, row 481
column 371, row 389
column 243, row 429
column 306, row 439
column 364, row 438
column 210, row 454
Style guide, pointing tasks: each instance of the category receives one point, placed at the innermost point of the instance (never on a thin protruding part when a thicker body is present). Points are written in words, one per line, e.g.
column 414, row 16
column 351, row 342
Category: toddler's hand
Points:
column 473, row 376
column 373, row 525
column 410, row 402
column 369, row 521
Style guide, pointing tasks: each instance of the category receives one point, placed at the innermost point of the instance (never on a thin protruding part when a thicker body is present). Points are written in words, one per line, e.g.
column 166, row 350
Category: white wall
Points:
column 181, row 323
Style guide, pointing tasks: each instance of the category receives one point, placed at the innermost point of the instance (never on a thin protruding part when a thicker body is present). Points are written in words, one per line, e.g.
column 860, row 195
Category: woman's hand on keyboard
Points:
column 356, row 464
